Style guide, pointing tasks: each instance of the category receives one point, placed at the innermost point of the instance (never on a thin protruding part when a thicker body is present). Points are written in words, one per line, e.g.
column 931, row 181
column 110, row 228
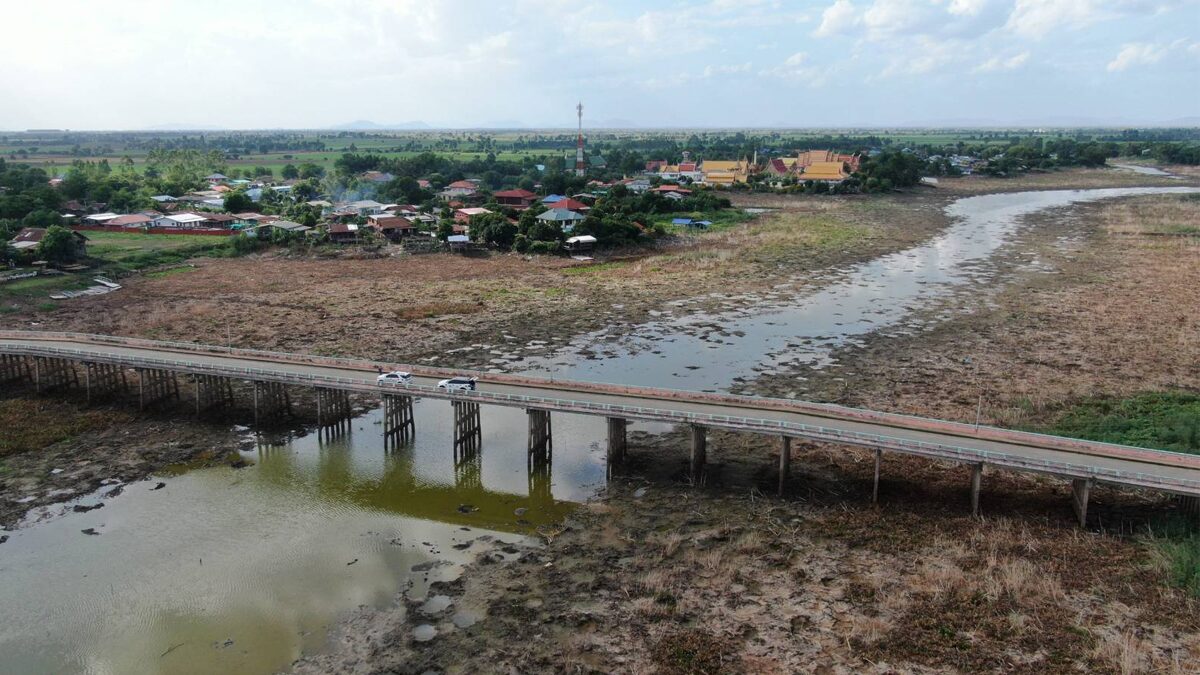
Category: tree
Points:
column 310, row 170
column 494, row 229
column 238, row 202
column 445, row 228
column 57, row 245
column 290, row 172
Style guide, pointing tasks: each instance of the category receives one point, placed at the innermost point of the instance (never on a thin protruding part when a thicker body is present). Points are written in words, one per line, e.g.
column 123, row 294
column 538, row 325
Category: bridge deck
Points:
column 1122, row 465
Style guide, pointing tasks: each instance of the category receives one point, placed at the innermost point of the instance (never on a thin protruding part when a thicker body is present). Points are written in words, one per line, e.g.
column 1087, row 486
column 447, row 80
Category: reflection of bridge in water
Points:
column 57, row 360
column 462, row 500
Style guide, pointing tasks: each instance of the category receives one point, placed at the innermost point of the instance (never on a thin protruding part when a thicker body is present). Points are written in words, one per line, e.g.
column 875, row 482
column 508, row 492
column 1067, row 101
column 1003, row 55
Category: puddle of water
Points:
column 761, row 333
column 241, row 571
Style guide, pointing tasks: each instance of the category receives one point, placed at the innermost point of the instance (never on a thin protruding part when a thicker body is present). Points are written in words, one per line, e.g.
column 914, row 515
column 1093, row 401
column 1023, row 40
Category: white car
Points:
column 395, row 377
column 459, row 383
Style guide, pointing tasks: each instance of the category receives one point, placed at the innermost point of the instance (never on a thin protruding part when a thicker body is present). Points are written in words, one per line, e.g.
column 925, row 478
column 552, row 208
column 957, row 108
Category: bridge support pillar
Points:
column 212, row 391
column 156, row 385
column 333, row 411
column 14, row 367
column 399, row 425
column 51, row 373
column 699, row 452
column 270, row 399
column 541, row 442
column 467, row 430
column 875, row 487
column 617, row 439
column 1081, row 489
column 1190, row 506
column 103, row 378
column 976, row 484
column 785, row 463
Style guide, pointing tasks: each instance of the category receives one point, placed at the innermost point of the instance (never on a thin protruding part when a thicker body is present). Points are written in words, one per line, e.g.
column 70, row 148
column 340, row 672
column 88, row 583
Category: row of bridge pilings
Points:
column 334, row 412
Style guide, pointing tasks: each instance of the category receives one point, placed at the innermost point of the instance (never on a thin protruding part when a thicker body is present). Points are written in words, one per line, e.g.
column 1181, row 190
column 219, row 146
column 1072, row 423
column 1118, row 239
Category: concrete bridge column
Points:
column 699, row 452
column 399, row 425
column 976, row 484
column 1081, row 489
column 1190, row 506
column 875, row 488
column 14, row 367
column 212, row 391
column 541, row 442
column 270, row 399
column 467, row 430
column 617, row 439
column 785, row 463
column 156, row 385
column 51, row 373
column 103, row 378
column 333, row 411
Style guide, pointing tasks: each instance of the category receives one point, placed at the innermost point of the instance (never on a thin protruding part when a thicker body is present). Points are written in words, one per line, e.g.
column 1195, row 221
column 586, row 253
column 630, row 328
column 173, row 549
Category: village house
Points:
column 466, row 214
column 181, row 221
column 459, row 189
column 132, row 220
column 394, row 228
column 364, row 207
column 99, row 218
column 29, row 238
column 564, row 218
column 516, row 199
column 570, row 204
column 343, row 233
column 266, row 229
column 216, row 177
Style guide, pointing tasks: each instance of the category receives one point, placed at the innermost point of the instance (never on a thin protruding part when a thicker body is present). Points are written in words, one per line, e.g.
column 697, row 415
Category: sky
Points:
column 137, row 64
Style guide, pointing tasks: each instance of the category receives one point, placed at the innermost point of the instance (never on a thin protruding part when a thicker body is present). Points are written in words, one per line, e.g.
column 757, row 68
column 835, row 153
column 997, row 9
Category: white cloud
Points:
column 798, row 68
column 1148, row 53
column 837, row 18
column 1037, row 18
column 966, row 7
column 996, row 63
column 1136, row 54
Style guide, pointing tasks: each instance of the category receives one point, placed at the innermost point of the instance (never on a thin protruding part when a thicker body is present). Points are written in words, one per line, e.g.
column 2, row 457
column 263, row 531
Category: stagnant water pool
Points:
column 227, row 570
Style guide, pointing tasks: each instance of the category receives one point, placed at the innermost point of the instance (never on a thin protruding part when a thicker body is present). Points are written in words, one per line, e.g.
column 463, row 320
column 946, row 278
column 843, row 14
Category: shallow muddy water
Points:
column 225, row 570
column 788, row 328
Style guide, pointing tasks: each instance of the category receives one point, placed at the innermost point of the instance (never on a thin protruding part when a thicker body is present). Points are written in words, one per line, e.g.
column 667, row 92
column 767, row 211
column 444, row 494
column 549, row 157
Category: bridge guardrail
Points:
column 910, row 422
column 796, row 429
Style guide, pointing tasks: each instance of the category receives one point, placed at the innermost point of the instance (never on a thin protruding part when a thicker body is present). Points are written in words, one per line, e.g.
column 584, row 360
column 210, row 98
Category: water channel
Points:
column 227, row 570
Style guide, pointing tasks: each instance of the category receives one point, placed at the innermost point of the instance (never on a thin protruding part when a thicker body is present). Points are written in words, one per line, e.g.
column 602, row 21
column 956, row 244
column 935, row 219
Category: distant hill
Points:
column 368, row 125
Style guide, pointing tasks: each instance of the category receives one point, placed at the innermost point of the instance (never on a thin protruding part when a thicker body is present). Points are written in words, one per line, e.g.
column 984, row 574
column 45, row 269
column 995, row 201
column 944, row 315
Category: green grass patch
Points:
column 38, row 288
column 1160, row 420
column 169, row 273
column 787, row 237
column 593, row 270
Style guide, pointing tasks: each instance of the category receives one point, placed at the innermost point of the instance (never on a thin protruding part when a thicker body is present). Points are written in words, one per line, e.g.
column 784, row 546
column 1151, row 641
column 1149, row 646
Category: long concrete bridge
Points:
column 56, row 359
